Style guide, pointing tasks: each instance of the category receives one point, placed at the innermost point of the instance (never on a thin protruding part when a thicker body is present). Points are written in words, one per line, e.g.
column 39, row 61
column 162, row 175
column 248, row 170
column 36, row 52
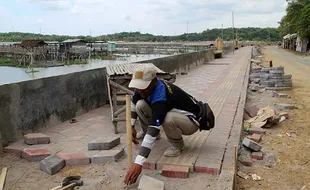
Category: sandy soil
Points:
column 291, row 155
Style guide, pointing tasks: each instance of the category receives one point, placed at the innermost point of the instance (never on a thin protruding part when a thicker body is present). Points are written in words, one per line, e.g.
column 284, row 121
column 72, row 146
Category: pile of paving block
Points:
column 101, row 150
column 270, row 78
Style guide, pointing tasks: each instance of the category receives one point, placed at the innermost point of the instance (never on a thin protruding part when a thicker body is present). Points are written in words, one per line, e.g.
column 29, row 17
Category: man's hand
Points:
column 134, row 135
column 133, row 174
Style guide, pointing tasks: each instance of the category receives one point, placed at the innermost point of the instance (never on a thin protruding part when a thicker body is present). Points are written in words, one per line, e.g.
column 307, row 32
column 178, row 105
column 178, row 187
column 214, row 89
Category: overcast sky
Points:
column 168, row 17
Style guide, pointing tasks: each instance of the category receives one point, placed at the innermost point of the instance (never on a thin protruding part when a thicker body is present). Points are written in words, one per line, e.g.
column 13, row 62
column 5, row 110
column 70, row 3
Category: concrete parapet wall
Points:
column 31, row 105
column 182, row 62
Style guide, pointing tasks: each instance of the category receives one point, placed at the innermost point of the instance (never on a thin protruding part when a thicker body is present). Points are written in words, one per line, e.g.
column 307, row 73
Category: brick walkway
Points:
column 219, row 82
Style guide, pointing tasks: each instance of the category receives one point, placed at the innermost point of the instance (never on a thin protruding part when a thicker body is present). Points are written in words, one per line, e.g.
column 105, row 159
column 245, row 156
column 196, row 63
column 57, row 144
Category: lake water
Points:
column 12, row 74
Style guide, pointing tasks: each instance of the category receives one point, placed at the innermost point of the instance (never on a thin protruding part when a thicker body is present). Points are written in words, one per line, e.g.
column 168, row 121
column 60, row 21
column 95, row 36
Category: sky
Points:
column 159, row 17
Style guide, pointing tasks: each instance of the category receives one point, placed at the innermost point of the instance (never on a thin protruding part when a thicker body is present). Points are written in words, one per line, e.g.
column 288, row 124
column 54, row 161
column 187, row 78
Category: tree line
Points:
column 297, row 19
column 245, row 34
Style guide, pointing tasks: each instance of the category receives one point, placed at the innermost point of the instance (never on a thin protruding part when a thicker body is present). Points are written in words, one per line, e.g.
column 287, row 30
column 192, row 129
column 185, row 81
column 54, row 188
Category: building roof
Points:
column 32, row 43
column 73, row 41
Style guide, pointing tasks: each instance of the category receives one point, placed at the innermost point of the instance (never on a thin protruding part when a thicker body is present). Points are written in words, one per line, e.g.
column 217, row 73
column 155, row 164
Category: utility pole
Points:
column 233, row 27
column 187, row 30
column 222, row 33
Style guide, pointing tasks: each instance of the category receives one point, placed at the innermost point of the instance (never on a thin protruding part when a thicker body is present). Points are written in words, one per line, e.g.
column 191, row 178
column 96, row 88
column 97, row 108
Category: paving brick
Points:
column 105, row 156
column 256, row 130
column 74, row 159
column 251, row 110
column 175, row 171
column 36, row 138
column 105, row 143
column 149, row 183
column 35, row 155
column 52, row 164
column 257, row 155
column 209, row 168
column 246, row 162
column 14, row 149
column 251, row 144
column 284, row 106
column 256, row 137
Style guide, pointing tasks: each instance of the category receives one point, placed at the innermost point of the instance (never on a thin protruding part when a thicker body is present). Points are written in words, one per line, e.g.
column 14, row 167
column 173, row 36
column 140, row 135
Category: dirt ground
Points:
column 286, row 164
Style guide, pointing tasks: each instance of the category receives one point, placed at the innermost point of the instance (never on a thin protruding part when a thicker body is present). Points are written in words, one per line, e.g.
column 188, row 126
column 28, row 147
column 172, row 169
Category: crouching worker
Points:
column 160, row 104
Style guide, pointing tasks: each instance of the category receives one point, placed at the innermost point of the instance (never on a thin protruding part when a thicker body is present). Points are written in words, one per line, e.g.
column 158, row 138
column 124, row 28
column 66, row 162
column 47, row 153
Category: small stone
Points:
column 284, row 106
column 285, row 114
column 251, row 144
column 282, row 95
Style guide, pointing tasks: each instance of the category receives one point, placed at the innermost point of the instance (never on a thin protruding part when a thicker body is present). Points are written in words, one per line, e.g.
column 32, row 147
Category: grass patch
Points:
column 6, row 62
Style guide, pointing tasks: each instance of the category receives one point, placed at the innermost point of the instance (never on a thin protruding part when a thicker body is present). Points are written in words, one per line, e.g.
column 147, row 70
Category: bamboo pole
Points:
column 128, row 127
column 2, row 177
column 235, row 166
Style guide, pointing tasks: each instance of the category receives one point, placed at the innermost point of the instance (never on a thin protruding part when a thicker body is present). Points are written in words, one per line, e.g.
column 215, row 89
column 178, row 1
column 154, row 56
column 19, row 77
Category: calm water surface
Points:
column 12, row 75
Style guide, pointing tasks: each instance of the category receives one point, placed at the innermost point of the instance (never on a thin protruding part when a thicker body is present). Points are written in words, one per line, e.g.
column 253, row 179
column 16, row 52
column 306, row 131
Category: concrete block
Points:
column 287, row 76
column 276, row 72
column 35, row 155
column 175, row 171
column 267, row 83
column 284, row 106
column 105, row 143
column 149, row 183
column 105, row 156
column 52, row 164
column 256, row 70
column 251, row 144
column 257, row 155
column 251, row 110
column 256, row 137
column 74, row 159
column 36, row 138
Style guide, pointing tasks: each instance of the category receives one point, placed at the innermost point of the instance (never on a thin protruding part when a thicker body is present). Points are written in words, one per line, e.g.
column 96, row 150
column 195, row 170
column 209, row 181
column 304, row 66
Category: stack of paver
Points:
column 270, row 78
column 101, row 150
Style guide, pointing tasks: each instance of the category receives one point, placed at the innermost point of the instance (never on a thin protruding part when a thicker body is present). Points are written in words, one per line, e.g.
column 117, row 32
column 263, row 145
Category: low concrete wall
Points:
column 30, row 105
column 182, row 62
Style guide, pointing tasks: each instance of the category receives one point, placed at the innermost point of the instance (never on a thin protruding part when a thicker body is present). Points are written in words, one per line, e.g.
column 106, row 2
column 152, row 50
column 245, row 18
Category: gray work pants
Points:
column 175, row 124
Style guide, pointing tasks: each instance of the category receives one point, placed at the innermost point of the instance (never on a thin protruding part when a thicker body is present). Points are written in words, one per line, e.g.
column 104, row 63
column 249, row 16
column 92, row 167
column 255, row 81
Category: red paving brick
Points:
column 35, row 155
column 175, row 171
column 74, row 159
column 36, row 138
column 257, row 155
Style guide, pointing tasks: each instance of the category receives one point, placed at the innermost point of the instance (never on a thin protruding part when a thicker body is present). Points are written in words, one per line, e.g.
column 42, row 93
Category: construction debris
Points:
column 255, row 177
